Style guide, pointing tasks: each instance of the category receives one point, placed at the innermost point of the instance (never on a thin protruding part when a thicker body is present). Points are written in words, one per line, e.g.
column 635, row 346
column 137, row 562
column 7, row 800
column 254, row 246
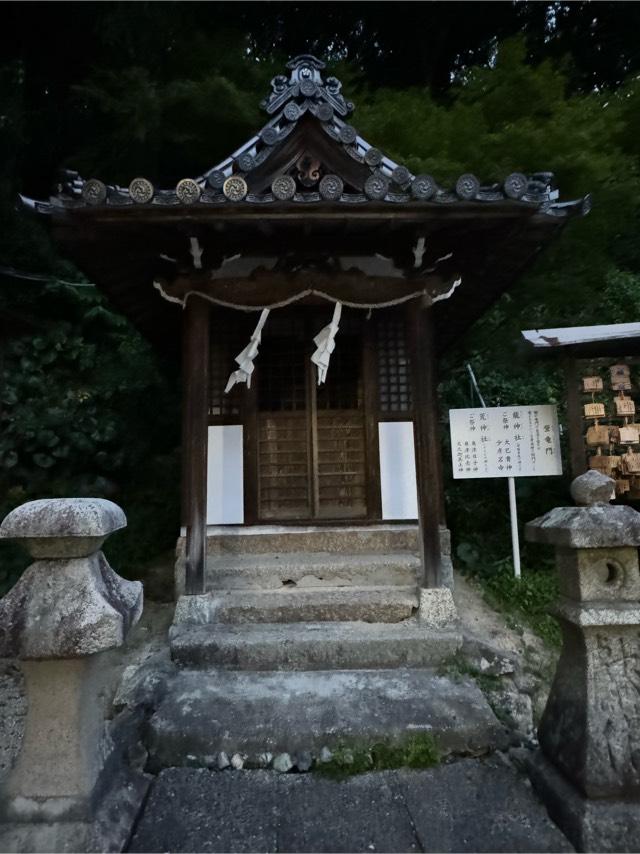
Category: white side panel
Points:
column 397, row 470
column 225, row 493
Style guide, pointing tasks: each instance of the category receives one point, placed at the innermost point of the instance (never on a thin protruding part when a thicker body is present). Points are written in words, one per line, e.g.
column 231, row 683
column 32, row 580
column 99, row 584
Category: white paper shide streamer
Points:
column 245, row 359
column 325, row 344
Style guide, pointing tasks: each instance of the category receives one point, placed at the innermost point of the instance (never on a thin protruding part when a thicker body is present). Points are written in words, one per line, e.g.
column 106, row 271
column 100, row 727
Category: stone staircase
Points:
column 305, row 639
column 308, row 598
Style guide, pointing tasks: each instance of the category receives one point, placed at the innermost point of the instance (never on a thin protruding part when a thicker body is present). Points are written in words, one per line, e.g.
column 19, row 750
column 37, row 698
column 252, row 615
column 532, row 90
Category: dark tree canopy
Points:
column 394, row 43
column 166, row 89
column 51, row 48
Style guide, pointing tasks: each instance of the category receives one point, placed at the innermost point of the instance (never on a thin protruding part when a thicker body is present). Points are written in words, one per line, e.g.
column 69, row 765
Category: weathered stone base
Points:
column 437, row 610
column 59, row 765
column 108, row 831
column 591, row 825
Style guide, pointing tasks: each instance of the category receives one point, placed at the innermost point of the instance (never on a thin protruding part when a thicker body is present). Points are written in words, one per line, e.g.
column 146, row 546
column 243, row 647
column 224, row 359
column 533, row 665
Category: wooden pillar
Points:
column 574, row 416
column 426, row 432
column 195, row 402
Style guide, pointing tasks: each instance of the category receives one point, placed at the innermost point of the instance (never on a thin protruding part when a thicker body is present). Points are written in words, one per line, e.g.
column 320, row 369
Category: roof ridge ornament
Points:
column 306, row 86
column 306, row 59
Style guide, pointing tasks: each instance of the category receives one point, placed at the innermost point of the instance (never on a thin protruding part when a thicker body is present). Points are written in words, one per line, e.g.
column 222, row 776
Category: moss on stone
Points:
column 417, row 751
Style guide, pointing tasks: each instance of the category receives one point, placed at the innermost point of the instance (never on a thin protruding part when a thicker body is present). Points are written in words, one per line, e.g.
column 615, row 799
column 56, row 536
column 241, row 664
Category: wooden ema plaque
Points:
column 625, row 406
column 619, row 369
column 631, row 463
column 604, row 463
column 620, row 377
column 592, row 384
column 622, row 486
column 629, row 435
column 594, row 410
column 597, row 435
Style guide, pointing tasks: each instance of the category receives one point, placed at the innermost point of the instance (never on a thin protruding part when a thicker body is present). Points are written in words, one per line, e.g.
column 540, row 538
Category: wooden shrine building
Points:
column 307, row 255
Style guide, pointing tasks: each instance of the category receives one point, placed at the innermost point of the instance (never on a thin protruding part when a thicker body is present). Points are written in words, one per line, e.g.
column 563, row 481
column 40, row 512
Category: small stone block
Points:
column 263, row 760
column 238, row 760
column 282, row 763
column 437, row 608
column 304, row 761
column 326, row 755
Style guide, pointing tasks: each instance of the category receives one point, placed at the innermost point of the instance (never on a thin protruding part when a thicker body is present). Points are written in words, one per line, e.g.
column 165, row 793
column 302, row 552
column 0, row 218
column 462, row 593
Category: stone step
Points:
column 309, row 570
column 298, row 604
column 204, row 714
column 311, row 646
column 348, row 539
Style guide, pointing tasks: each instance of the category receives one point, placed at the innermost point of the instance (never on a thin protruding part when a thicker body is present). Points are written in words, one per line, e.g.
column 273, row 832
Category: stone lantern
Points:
column 59, row 620
column 588, row 770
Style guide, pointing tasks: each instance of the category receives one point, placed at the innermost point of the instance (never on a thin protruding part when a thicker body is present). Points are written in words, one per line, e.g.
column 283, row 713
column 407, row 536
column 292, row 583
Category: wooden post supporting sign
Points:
column 574, row 416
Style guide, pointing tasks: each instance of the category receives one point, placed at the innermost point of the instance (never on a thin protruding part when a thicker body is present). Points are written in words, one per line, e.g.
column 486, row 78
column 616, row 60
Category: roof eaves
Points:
column 306, row 92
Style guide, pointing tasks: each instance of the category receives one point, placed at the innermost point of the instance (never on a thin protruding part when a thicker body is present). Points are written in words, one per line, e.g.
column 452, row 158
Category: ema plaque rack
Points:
column 612, row 438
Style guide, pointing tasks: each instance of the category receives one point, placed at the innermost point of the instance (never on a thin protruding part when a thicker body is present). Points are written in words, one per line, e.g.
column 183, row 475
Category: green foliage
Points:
column 526, row 601
column 417, row 751
column 176, row 121
column 86, row 411
column 515, row 116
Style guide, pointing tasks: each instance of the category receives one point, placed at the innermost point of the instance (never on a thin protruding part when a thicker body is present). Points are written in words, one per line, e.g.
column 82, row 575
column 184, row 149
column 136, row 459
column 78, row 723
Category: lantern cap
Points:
column 594, row 525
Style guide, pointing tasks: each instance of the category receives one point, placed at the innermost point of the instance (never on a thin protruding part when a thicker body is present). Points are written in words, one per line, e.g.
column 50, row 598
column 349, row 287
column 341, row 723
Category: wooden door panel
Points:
column 283, row 465
column 341, row 464
column 312, row 452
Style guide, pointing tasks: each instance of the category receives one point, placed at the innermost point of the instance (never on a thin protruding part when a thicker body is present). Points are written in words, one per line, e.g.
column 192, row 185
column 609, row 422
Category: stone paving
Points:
column 470, row 805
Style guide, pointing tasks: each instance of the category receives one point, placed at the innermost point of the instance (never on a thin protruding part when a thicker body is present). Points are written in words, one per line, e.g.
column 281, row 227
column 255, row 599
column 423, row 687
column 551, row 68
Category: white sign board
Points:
column 505, row 441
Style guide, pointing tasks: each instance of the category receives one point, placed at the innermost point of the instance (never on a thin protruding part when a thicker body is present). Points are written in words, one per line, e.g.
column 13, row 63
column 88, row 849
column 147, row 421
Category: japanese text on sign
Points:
column 509, row 441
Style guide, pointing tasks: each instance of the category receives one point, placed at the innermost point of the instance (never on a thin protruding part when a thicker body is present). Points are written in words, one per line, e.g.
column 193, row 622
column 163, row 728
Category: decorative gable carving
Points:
column 306, row 90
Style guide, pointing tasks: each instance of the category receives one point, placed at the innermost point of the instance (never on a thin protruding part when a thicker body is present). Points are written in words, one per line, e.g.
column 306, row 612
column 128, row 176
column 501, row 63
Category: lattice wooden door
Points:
column 311, row 442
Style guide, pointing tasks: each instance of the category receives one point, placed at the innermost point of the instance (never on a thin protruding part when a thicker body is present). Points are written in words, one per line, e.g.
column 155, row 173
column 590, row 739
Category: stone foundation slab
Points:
column 591, row 825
